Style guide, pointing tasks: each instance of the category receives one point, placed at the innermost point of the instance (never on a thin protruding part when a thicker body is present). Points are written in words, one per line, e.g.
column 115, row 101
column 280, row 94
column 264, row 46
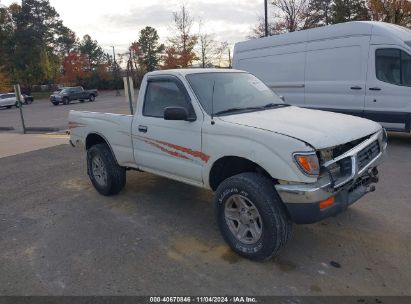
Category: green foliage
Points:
column 349, row 10
column 319, row 13
column 150, row 48
column 33, row 41
column 91, row 49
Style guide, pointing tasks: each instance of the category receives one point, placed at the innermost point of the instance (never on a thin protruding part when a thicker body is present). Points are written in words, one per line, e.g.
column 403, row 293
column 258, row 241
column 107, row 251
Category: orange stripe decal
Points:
column 196, row 154
column 172, row 153
column 158, row 143
column 73, row 125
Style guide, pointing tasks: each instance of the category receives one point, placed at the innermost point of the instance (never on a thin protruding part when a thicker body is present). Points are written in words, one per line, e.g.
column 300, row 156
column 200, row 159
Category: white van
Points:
column 358, row 68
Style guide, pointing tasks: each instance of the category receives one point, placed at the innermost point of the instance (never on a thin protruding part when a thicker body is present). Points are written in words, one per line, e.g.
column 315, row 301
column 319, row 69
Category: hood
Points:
column 320, row 129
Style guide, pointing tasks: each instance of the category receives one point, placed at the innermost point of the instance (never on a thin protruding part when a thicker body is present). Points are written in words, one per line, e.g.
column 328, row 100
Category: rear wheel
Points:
column 106, row 175
column 251, row 216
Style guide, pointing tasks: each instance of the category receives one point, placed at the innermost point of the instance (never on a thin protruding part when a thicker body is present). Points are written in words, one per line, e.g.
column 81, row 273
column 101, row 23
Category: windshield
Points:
column 232, row 91
column 64, row 91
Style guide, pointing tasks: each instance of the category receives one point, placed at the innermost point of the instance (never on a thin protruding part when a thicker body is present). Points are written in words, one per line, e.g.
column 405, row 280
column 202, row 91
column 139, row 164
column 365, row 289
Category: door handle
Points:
column 356, row 88
column 375, row 89
column 142, row 129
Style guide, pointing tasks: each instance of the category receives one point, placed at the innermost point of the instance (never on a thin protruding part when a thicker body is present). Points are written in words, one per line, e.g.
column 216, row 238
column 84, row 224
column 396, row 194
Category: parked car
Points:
column 357, row 68
column 28, row 99
column 9, row 100
column 269, row 163
column 66, row 95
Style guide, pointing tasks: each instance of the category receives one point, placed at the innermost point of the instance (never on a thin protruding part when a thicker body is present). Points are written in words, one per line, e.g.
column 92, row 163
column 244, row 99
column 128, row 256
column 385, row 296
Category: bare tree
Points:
column 221, row 52
column 258, row 30
column 207, row 47
column 184, row 42
column 293, row 13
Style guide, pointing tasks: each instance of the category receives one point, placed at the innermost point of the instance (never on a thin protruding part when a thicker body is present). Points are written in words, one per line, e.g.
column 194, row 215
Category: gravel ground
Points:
column 59, row 237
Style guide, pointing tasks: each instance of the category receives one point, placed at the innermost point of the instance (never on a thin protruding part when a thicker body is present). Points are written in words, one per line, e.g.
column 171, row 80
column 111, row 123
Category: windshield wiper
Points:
column 267, row 106
column 275, row 105
column 232, row 110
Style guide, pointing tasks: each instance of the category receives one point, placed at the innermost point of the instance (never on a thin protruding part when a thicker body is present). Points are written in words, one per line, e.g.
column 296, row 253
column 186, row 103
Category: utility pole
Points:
column 20, row 103
column 266, row 17
column 115, row 72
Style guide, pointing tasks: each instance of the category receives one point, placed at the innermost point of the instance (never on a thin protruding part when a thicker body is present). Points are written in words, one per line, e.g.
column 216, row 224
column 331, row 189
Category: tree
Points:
column 293, row 14
column 35, row 40
column 349, row 10
column 150, row 48
column 91, row 49
column 258, row 30
column 319, row 13
column 221, row 51
column 5, row 85
column 392, row 11
column 183, row 42
column 75, row 66
column 207, row 47
column 171, row 59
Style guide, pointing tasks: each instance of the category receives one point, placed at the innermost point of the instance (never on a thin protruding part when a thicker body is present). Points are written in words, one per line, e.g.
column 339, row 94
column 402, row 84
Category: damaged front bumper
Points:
column 303, row 200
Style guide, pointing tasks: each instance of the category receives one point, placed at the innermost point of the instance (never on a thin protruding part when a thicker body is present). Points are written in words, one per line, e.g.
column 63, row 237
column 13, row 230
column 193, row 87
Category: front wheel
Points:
column 56, row 103
column 92, row 97
column 66, row 101
column 251, row 216
column 106, row 175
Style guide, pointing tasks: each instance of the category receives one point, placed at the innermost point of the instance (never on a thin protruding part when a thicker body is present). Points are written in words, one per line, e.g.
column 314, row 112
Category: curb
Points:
column 41, row 130
column 7, row 129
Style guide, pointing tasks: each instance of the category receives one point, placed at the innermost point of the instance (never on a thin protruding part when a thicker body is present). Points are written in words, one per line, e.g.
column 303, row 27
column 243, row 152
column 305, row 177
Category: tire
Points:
column 66, row 101
column 110, row 179
column 92, row 97
column 55, row 103
column 17, row 105
column 272, row 224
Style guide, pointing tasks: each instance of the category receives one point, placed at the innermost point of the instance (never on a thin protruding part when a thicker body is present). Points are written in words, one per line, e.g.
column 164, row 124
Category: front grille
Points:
column 366, row 155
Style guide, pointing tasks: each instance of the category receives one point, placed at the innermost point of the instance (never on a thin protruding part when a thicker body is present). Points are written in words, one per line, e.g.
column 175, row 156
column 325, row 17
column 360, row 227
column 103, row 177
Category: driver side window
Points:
column 162, row 94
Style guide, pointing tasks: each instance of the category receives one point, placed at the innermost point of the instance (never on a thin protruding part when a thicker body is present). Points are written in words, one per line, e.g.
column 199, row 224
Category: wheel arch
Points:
column 95, row 138
column 228, row 166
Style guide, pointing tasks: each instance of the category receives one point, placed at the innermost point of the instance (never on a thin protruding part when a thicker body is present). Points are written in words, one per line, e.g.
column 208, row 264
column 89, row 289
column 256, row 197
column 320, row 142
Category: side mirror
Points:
column 176, row 113
column 282, row 98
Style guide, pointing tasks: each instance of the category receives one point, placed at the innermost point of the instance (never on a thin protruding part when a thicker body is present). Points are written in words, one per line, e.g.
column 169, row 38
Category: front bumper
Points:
column 303, row 200
column 54, row 98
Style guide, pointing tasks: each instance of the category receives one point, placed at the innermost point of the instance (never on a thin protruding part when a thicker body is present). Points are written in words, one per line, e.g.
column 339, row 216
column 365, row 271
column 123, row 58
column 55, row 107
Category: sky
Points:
column 118, row 22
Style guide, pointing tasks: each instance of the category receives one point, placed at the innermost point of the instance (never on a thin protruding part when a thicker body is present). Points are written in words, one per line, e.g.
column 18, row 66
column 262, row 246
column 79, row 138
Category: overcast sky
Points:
column 119, row 22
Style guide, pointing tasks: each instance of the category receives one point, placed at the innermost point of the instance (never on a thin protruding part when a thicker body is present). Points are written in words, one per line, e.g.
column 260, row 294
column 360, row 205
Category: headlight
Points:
column 384, row 137
column 307, row 162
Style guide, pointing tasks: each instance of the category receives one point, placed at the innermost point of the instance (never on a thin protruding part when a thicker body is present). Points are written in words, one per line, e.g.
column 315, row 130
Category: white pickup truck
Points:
column 269, row 163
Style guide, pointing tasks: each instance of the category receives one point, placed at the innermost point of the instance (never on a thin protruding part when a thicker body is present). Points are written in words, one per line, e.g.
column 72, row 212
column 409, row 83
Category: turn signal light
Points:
column 308, row 163
column 327, row 203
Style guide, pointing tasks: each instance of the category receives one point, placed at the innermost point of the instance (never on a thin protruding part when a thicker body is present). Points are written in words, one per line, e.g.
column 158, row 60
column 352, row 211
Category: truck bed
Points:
column 114, row 128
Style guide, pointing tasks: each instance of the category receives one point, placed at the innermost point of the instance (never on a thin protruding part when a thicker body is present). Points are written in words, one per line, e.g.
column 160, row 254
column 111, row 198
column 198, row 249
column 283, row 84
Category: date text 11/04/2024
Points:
column 204, row 299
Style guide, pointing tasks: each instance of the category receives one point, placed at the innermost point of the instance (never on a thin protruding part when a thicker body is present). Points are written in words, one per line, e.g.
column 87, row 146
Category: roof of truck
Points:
column 355, row 28
column 184, row 72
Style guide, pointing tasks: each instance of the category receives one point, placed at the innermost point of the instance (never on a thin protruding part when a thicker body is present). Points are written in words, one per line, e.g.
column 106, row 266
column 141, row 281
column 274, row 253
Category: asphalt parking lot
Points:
column 43, row 114
column 59, row 237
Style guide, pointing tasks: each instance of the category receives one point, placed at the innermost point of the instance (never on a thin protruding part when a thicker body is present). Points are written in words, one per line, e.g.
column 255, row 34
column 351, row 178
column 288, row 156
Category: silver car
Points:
column 9, row 99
